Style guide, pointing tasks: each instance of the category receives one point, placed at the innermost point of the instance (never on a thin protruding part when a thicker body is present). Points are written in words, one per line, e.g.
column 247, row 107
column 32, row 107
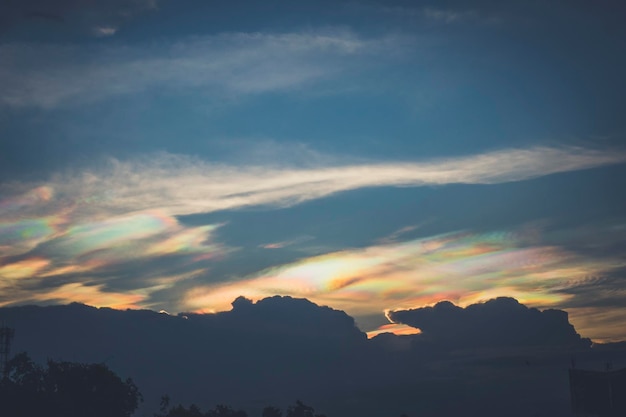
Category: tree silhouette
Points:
column 180, row 411
column 302, row 410
column 66, row 389
column 270, row 411
column 194, row 411
column 225, row 411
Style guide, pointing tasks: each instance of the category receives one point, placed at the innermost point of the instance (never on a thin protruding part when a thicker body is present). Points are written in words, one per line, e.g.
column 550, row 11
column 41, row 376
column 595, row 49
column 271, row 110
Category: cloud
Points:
column 105, row 31
column 117, row 261
column 293, row 317
column 602, row 324
column 281, row 348
column 283, row 244
column 292, row 343
column 113, row 228
column 597, row 304
column 437, row 15
column 179, row 185
column 498, row 322
column 449, row 16
column 464, row 267
column 393, row 328
column 226, row 64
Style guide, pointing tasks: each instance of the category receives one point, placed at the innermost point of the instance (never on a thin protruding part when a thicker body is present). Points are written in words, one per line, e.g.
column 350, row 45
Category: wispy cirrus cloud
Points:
column 115, row 262
column 50, row 253
column 114, row 230
column 227, row 64
column 181, row 185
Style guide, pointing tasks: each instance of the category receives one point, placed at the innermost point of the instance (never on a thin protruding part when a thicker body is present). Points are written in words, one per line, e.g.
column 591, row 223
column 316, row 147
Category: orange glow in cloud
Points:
column 92, row 295
column 602, row 325
column 462, row 267
column 78, row 230
column 72, row 269
column 35, row 197
column 188, row 240
column 23, row 269
column 84, row 250
column 395, row 328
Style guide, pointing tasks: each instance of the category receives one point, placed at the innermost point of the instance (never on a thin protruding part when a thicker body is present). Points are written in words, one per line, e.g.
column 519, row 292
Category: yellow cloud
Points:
column 23, row 269
column 91, row 295
column 90, row 253
column 397, row 329
column 461, row 267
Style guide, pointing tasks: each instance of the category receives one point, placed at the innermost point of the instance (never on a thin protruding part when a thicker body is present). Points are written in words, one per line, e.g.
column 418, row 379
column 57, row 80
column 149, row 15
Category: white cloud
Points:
column 95, row 227
column 233, row 63
column 448, row 16
column 180, row 185
column 105, row 30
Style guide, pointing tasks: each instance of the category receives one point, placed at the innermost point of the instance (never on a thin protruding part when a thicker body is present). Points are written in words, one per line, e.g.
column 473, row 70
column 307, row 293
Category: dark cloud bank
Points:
column 501, row 322
column 492, row 359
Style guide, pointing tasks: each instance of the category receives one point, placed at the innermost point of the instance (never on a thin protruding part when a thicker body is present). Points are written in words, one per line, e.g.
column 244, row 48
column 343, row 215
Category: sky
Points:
column 366, row 155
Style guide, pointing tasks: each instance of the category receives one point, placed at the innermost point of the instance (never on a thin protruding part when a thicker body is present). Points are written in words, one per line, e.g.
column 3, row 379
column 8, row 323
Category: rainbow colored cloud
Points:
column 462, row 267
column 67, row 256
column 111, row 237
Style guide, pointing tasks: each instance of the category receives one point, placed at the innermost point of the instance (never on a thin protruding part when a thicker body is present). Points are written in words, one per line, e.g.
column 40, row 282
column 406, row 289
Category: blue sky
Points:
column 369, row 156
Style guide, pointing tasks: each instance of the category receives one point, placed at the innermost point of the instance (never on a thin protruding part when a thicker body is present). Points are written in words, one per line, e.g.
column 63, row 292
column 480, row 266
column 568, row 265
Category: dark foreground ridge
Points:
column 492, row 359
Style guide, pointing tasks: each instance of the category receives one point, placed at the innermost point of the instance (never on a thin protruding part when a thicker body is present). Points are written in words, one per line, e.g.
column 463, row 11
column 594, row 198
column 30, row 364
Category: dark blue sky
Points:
column 370, row 156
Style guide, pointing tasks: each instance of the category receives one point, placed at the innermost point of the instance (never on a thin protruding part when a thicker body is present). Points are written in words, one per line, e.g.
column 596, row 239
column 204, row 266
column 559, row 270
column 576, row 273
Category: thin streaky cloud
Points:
column 230, row 63
column 133, row 255
column 97, row 222
column 180, row 185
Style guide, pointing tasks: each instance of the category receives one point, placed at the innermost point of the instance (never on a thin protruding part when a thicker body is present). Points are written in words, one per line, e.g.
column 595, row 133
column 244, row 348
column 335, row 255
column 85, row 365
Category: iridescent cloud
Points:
column 29, row 216
column 23, row 268
column 178, row 185
column 93, row 295
column 65, row 257
column 114, row 230
column 462, row 267
column 397, row 329
column 602, row 324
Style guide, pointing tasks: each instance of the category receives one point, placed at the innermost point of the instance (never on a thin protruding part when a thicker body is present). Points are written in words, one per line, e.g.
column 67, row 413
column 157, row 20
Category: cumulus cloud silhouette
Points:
column 280, row 348
column 501, row 322
column 295, row 317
